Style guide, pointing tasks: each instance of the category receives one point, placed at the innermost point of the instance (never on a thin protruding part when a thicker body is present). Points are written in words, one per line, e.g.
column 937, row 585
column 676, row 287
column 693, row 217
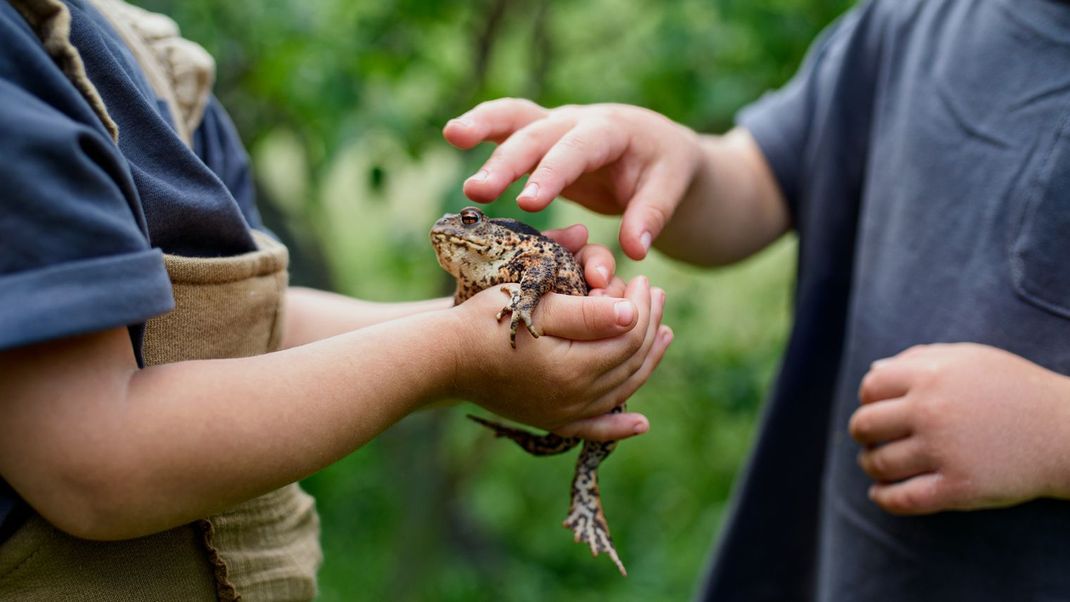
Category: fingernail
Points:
column 641, row 427
column 667, row 335
column 879, row 363
column 645, row 239
column 479, row 176
column 624, row 311
column 603, row 272
column 530, row 191
column 461, row 121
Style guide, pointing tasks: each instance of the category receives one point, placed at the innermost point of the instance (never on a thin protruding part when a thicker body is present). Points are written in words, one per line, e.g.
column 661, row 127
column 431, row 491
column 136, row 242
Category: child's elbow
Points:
column 93, row 505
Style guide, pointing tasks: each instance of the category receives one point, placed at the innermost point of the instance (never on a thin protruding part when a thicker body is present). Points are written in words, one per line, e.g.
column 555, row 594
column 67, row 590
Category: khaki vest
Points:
column 264, row 549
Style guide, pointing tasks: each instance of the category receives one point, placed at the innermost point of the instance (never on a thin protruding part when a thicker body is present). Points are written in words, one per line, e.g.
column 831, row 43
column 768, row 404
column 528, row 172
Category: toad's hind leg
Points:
column 585, row 516
column 536, row 445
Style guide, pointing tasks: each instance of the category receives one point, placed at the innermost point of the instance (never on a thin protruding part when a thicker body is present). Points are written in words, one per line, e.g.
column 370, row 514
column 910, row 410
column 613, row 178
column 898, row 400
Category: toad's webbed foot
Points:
column 521, row 309
column 536, row 445
column 585, row 517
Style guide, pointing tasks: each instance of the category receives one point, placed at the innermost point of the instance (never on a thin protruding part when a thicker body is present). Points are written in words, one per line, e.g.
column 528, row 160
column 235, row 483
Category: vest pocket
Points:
column 1040, row 251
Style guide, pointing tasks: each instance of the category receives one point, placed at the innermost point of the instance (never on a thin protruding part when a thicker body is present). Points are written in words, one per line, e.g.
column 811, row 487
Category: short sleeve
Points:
column 217, row 143
column 74, row 253
column 814, row 130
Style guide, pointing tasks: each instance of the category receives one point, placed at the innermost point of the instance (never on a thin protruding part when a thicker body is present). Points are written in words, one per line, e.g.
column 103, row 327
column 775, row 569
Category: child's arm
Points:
column 963, row 426
column 312, row 315
column 107, row 451
column 713, row 199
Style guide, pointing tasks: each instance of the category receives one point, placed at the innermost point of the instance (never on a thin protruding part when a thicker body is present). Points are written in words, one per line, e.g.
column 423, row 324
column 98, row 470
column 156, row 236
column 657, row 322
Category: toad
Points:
column 481, row 252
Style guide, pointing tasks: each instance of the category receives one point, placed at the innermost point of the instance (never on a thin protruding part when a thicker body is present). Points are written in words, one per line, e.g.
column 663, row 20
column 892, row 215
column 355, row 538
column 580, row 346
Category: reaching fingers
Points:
column 895, row 461
column 651, row 207
column 585, row 318
column 515, row 156
column 607, row 427
column 584, row 148
column 879, row 422
column 493, row 120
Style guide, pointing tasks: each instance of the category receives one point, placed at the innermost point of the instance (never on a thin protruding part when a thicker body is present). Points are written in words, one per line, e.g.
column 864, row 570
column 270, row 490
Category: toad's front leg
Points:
column 536, row 275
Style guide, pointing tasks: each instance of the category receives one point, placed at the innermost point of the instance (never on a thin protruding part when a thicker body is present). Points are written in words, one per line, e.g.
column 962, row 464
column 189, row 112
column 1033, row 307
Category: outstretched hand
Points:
column 610, row 158
column 962, row 426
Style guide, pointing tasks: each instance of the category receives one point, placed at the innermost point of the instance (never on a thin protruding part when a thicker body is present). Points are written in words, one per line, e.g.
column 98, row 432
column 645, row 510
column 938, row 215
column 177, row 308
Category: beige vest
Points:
column 264, row 549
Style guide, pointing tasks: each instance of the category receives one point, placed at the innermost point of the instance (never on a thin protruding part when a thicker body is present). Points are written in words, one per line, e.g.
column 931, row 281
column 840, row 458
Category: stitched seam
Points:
column 22, row 563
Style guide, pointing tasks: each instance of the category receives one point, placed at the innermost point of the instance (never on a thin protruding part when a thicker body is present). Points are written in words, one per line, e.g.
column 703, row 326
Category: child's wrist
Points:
column 462, row 351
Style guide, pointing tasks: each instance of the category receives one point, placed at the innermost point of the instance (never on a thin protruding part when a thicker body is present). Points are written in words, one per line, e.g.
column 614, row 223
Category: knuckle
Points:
column 929, row 412
column 868, row 387
column 656, row 215
column 592, row 318
column 898, row 503
column 955, row 493
column 878, row 465
column 915, row 499
column 546, row 171
column 606, row 124
column 576, row 376
column 914, row 350
column 860, row 425
column 529, row 136
column 927, row 376
column 635, row 363
column 636, row 340
column 568, row 111
column 526, row 103
column 574, row 142
column 901, row 500
column 871, row 464
column 926, row 451
column 490, row 105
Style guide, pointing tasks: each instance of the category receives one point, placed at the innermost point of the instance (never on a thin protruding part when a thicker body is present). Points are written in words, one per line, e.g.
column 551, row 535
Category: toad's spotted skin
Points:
column 481, row 252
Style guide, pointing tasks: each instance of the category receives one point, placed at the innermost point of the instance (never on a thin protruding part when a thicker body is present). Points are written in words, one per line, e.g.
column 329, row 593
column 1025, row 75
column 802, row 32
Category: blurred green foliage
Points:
column 341, row 103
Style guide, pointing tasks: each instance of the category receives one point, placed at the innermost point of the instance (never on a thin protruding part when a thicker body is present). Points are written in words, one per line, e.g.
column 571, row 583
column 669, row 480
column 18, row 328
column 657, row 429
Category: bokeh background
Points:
column 341, row 103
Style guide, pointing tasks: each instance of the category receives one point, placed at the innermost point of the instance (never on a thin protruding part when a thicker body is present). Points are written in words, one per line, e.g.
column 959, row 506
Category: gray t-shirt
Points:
column 924, row 150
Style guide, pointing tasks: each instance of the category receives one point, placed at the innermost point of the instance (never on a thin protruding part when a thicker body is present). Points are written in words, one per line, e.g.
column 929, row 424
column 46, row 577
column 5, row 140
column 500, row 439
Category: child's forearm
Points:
column 733, row 207
column 107, row 451
column 129, row 452
column 312, row 315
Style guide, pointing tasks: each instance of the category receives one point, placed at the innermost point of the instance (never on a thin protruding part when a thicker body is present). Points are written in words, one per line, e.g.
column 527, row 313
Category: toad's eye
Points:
column 469, row 217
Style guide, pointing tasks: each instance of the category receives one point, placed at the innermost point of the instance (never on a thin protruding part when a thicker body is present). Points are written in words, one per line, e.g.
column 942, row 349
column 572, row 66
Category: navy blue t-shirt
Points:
column 84, row 222
column 924, row 151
